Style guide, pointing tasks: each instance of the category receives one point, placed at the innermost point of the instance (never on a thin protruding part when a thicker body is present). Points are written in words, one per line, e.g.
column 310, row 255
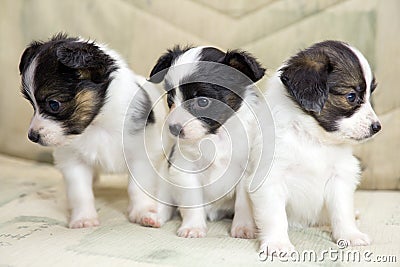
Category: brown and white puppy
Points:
column 320, row 101
column 91, row 107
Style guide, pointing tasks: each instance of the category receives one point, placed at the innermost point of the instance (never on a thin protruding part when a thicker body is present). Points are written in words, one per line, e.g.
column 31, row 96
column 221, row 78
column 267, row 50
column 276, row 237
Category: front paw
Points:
column 84, row 223
column 355, row 238
column 146, row 217
column 192, row 232
column 243, row 231
column 280, row 248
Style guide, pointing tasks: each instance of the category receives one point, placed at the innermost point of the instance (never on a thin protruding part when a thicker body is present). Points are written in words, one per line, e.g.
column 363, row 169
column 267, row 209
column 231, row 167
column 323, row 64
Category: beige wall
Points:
column 271, row 29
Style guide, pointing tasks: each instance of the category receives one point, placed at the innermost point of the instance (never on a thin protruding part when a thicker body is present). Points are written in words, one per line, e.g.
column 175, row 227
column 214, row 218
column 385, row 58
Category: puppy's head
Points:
column 65, row 79
column 205, row 87
column 333, row 82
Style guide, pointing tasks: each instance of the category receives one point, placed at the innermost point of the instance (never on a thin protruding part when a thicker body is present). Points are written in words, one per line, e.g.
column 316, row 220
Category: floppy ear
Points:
column 86, row 57
column 305, row 77
column 159, row 71
column 245, row 63
column 28, row 55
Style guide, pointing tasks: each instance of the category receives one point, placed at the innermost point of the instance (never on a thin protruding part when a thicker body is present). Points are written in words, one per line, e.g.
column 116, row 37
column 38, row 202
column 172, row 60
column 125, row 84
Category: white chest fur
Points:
column 218, row 162
column 306, row 162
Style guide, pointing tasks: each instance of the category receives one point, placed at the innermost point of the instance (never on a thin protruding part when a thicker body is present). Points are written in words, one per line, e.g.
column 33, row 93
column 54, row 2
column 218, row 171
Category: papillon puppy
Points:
column 212, row 100
column 92, row 108
column 320, row 101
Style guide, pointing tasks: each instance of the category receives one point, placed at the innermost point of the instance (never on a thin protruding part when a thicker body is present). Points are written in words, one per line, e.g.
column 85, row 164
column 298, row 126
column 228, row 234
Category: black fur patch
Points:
column 245, row 63
column 142, row 111
column 319, row 78
column 224, row 102
column 211, row 54
column 72, row 72
column 160, row 69
column 223, row 86
column 306, row 80
column 170, row 93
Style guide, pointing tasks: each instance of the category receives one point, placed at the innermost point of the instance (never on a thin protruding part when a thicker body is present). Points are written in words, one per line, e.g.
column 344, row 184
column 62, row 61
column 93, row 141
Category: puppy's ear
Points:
column 87, row 58
column 28, row 55
column 245, row 63
column 305, row 77
column 159, row 71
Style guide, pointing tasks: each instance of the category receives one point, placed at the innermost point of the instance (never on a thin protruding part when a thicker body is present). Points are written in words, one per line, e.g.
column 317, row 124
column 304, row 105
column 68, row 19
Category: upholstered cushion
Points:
column 270, row 29
column 33, row 229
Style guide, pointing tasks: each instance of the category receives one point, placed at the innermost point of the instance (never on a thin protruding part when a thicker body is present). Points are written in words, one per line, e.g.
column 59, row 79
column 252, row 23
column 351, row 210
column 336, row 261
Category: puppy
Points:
column 90, row 106
column 320, row 101
column 211, row 97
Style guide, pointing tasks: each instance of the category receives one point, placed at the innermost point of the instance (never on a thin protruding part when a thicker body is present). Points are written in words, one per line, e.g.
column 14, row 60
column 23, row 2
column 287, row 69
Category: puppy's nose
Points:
column 176, row 129
column 376, row 127
column 34, row 136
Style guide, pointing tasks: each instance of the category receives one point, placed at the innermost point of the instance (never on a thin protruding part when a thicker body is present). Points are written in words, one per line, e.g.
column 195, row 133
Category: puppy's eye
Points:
column 170, row 100
column 203, row 102
column 54, row 106
column 351, row 97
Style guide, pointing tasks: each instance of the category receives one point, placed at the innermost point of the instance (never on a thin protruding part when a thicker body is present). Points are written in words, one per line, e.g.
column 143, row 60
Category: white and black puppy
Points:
column 212, row 99
column 320, row 101
column 82, row 94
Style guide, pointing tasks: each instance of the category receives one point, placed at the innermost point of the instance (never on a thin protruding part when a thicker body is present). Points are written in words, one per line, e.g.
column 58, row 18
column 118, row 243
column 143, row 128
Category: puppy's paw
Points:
column 243, row 231
column 279, row 248
column 194, row 232
column 84, row 223
column 148, row 218
column 355, row 238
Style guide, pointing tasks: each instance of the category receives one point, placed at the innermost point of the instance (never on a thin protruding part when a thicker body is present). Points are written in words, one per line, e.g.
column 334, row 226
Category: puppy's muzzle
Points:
column 34, row 136
column 176, row 129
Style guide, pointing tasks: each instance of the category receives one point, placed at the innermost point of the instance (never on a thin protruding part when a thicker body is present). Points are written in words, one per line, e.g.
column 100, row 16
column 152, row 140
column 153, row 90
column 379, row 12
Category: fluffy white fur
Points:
column 223, row 160
column 314, row 173
column 206, row 169
column 108, row 145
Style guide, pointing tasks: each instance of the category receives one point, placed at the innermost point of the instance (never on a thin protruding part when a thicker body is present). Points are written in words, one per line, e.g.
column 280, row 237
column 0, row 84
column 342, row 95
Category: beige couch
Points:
column 141, row 30
column 33, row 229
column 271, row 29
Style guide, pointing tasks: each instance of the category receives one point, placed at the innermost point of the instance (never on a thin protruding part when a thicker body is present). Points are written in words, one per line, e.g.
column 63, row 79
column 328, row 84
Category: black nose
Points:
column 34, row 136
column 376, row 127
column 176, row 129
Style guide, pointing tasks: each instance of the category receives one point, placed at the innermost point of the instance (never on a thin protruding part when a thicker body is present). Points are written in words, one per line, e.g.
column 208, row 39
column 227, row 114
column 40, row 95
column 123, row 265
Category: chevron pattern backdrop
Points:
column 270, row 29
